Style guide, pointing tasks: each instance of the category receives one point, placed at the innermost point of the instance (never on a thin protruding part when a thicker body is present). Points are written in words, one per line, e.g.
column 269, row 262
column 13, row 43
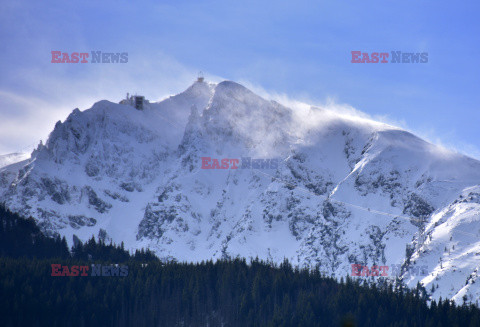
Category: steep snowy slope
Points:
column 450, row 248
column 12, row 163
column 322, row 189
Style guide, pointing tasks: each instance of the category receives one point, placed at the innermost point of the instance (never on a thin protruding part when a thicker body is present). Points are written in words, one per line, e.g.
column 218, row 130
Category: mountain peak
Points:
column 227, row 84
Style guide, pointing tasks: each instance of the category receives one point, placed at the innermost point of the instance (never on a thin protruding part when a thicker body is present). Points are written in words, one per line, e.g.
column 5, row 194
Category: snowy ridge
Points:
column 345, row 191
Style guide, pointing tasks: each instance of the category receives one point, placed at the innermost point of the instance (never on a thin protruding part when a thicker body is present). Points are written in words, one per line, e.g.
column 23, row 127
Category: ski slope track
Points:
column 347, row 190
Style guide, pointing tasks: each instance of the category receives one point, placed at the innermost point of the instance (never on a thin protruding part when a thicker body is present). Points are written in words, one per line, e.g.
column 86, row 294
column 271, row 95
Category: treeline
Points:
column 222, row 293
column 20, row 237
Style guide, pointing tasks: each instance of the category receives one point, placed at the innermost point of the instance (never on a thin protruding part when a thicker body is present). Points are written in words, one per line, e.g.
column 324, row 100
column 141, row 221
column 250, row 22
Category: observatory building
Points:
column 136, row 101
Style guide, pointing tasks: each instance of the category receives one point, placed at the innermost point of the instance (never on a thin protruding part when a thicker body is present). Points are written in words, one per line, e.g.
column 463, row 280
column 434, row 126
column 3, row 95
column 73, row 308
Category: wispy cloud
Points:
column 29, row 114
column 445, row 139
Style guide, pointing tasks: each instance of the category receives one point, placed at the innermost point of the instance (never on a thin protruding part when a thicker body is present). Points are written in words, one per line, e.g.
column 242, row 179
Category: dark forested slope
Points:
column 155, row 293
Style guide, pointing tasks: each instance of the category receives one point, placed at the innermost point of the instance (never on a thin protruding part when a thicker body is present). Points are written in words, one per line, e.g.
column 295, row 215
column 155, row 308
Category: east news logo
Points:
column 237, row 163
column 98, row 57
column 97, row 270
column 375, row 271
column 398, row 57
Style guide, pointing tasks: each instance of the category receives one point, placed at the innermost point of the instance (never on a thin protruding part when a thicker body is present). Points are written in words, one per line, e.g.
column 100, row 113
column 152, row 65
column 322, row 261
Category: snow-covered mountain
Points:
column 322, row 188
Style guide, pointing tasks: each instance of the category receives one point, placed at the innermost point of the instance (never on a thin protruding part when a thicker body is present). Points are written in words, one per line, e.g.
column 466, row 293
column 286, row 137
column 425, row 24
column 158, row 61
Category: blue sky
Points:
column 300, row 49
